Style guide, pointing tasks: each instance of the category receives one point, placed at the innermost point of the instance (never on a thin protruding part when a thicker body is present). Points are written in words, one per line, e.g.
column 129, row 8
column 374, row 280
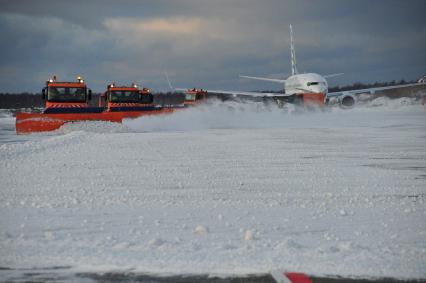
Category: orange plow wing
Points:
column 44, row 122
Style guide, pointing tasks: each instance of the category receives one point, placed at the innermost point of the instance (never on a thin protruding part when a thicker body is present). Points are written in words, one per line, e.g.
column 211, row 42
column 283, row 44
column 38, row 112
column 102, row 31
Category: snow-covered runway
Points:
column 227, row 190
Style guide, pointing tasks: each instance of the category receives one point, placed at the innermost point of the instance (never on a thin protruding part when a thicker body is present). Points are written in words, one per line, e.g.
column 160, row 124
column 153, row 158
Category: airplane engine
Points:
column 347, row 101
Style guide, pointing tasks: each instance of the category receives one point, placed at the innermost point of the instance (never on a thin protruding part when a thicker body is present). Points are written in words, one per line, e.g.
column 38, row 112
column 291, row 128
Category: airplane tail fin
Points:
column 172, row 88
column 293, row 53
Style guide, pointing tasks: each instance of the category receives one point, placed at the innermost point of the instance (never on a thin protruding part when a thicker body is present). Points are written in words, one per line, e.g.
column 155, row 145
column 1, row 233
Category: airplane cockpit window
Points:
column 312, row 83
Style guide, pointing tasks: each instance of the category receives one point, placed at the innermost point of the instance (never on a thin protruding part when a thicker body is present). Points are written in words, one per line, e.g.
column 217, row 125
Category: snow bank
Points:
column 5, row 113
column 397, row 103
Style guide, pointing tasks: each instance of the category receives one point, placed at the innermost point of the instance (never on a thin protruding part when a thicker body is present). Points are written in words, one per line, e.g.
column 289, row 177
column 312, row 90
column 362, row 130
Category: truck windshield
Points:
column 124, row 96
column 66, row 94
column 189, row 96
column 147, row 99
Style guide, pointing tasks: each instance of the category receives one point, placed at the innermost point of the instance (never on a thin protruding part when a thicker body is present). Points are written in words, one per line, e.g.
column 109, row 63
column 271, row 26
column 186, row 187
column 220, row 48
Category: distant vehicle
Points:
column 306, row 89
column 194, row 96
column 422, row 80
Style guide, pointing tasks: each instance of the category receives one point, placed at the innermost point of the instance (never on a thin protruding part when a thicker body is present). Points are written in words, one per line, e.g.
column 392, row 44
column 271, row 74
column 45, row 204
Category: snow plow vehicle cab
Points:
column 58, row 95
column 124, row 98
column 194, row 96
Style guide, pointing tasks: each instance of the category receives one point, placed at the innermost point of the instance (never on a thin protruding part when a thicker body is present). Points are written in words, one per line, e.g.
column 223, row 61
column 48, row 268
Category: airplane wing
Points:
column 236, row 93
column 263, row 79
column 332, row 75
column 370, row 90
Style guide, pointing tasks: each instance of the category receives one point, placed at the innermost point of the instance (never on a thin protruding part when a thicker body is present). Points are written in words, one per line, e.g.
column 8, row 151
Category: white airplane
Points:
column 306, row 88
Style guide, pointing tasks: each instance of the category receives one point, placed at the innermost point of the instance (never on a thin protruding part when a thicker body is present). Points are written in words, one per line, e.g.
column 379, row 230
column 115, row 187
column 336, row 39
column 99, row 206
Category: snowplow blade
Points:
column 43, row 122
column 32, row 122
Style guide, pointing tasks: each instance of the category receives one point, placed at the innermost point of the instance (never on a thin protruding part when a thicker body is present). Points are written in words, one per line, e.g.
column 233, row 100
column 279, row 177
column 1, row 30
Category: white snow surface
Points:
column 222, row 189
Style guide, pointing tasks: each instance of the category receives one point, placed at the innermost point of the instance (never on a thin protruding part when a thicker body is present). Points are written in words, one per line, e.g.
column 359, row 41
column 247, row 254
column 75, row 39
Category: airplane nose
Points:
column 321, row 89
column 318, row 89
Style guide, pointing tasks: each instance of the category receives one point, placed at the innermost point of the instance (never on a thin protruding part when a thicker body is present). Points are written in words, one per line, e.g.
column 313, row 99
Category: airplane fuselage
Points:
column 306, row 83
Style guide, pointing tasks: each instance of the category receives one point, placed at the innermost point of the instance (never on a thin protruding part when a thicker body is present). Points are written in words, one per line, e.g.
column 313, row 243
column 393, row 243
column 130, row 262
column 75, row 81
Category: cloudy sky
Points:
column 208, row 43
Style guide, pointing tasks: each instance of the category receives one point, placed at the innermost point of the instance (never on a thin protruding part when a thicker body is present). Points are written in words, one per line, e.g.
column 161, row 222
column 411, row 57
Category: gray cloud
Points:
column 207, row 43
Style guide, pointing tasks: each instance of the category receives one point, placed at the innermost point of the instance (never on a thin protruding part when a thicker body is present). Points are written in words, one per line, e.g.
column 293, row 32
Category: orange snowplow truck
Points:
column 194, row 96
column 66, row 94
column 124, row 98
column 67, row 102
